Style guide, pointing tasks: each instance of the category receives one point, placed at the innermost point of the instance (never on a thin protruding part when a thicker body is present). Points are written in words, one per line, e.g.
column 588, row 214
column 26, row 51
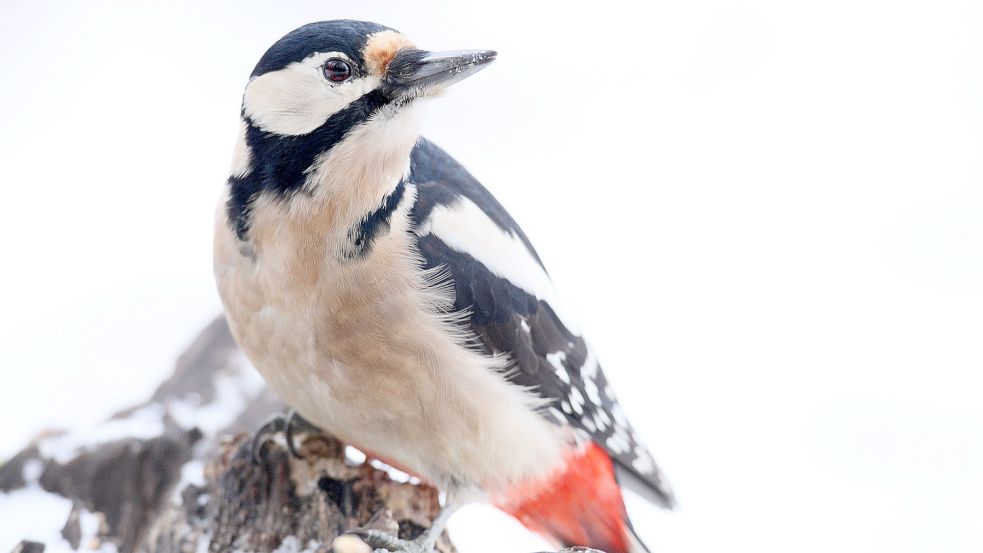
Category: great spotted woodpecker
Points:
column 392, row 301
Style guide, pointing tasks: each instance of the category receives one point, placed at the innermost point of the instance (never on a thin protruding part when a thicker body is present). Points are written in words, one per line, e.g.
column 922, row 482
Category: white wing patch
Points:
column 464, row 227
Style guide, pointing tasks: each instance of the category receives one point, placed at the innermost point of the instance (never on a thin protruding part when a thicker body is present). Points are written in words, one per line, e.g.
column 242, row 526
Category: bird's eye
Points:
column 336, row 70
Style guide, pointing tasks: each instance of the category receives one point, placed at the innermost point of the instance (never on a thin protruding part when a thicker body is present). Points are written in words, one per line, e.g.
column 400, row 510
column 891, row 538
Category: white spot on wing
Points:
column 577, row 401
column 590, row 368
column 619, row 442
column 556, row 359
column 588, row 372
column 599, row 420
column 464, row 227
column 592, row 394
column 588, row 424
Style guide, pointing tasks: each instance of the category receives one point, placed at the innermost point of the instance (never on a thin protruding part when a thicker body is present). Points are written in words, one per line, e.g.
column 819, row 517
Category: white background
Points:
column 768, row 216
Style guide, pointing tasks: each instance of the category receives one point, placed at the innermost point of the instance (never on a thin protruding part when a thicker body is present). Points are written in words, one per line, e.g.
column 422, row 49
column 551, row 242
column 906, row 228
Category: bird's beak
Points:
column 413, row 72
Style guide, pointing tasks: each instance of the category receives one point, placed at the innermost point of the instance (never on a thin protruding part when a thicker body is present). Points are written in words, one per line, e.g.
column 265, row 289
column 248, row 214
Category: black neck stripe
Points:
column 372, row 225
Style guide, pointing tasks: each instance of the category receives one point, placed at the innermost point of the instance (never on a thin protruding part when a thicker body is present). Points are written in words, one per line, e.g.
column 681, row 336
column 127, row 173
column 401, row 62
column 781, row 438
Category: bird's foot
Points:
column 377, row 539
column 424, row 543
column 288, row 425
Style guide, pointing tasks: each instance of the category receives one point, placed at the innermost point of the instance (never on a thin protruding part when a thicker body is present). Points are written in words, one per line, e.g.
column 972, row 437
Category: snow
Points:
column 291, row 544
column 394, row 473
column 479, row 527
column 354, row 456
column 89, row 524
column 32, row 470
column 192, row 473
column 144, row 423
column 204, row 541
column 233, row 392
column 33, row 514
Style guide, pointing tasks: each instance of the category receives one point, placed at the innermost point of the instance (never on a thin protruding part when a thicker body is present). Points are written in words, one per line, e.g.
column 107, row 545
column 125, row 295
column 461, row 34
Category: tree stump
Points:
column 175, row 474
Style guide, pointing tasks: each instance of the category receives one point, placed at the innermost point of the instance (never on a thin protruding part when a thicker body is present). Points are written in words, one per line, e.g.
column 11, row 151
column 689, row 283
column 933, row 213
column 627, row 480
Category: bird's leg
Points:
column 425, row 543
column 433, row 533
column 289, row 424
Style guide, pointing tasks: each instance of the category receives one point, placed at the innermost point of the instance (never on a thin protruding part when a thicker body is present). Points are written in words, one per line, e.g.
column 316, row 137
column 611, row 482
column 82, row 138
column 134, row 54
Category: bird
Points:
column 389, row 299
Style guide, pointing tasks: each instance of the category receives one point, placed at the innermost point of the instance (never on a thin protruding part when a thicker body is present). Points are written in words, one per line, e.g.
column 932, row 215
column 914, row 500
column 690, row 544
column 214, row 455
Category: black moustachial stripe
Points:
column 363, row 234
column 281, row 163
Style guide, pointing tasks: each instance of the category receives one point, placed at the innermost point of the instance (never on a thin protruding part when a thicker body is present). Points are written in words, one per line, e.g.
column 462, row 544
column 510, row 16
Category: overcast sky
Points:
column 768, row 217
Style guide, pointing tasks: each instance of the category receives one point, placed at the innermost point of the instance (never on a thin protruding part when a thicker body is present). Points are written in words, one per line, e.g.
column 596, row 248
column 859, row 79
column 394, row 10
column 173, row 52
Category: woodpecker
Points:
column 391, row 300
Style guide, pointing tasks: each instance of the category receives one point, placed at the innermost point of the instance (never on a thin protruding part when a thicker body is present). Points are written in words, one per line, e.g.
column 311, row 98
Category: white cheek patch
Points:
column 464, row 227
column 297, row 99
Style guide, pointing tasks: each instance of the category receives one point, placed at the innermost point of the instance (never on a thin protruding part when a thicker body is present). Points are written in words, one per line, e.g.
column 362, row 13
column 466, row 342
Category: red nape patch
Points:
column 582, row 505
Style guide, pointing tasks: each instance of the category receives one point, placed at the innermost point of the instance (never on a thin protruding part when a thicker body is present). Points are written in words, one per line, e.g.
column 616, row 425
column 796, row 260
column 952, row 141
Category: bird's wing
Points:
column 500, row 281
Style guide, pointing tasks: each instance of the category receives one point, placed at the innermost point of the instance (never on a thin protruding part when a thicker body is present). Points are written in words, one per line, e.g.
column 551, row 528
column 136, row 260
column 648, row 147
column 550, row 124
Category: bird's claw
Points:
column 265, row 433
column 377, row 539
column 289, row 426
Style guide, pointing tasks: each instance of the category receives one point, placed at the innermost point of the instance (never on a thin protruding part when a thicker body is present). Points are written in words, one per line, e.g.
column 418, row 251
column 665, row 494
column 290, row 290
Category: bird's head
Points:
column 338, row 100
column 341, row 74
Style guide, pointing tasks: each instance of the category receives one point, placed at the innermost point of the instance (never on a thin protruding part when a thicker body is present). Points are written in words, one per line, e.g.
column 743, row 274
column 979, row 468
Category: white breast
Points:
column 359, row 349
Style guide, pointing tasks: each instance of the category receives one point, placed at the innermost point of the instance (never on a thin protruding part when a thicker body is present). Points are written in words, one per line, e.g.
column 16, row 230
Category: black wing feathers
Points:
column 548, row 357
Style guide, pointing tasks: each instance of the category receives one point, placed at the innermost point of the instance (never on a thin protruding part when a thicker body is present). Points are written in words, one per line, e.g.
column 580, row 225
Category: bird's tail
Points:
column 580, row 506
